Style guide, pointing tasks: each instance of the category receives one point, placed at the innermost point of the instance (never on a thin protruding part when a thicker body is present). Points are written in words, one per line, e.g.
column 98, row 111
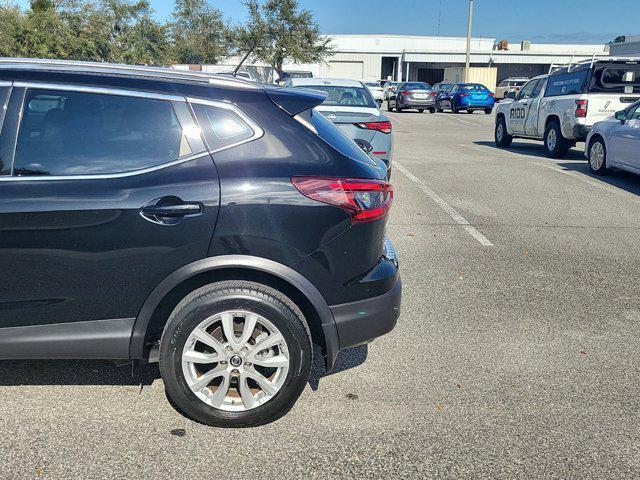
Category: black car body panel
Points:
column 90, row 266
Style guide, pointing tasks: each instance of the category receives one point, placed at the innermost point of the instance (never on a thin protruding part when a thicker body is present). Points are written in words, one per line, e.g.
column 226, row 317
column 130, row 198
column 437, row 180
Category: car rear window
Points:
column 417, row 86
column 345, row 96
column 623, row 78
column 473, row 86
column 222, row 127
column 566, row 83
column 335, row 137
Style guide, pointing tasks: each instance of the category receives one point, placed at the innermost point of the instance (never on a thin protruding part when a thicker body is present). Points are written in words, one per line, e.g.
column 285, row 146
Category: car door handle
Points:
column 169, row 210
column 180, row 210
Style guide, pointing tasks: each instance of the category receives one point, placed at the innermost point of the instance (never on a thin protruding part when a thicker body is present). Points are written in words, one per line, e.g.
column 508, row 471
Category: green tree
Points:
column 11, row 21
column 198, row 33
column 282, row 32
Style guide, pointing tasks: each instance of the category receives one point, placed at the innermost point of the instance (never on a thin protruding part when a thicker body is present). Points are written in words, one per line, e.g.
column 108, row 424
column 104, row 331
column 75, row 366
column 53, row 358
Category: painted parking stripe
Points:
column 450, row 115
column 448, row 209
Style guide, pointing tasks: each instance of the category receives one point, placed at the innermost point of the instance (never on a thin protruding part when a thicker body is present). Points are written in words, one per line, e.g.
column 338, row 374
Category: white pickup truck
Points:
column 560, row 108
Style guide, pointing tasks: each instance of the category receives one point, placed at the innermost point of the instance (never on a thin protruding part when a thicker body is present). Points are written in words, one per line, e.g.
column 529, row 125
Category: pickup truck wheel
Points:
column 502, row 137
column 555, row 144
column 235, row 354
column 598, row 157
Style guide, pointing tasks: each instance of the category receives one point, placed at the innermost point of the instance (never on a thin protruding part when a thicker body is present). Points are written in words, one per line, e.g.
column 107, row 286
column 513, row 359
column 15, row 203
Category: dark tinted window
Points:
column 222, row 127
column 5, row 169
column 623, row 78
column 566, row 83
column 335, row 137
column 77, row 133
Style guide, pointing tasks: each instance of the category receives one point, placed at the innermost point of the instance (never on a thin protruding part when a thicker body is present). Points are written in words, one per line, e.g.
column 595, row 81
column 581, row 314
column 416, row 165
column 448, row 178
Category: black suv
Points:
column 211, row 224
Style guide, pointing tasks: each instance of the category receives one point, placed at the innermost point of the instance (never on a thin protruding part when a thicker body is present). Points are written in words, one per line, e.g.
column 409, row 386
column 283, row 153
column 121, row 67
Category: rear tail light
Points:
column 364, row 200
column 406, row 93
column 492, row 95
column 384, row 127
column 464, row 94
column 581, row 108
column 433, row 94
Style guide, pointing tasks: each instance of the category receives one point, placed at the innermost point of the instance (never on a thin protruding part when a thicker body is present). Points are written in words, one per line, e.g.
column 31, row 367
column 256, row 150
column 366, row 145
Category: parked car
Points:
column 615, row 143
column 413, row 95
column 376, row 91
column 561, row 108
column 466, row 96
column 441, row 87
column 510, row 85
column 212, row 224
column 350, row 106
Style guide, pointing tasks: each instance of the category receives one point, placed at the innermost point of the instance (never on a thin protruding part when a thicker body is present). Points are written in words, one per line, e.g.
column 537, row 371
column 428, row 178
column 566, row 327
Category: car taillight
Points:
column 364, row 200
column 463, row 94
column 581, row 108
column 492, row 95
column 433, row 94
column 406, row 93
column 384, row 127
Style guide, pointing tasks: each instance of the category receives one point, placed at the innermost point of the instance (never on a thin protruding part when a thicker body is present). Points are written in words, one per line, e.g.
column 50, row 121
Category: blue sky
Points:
column 543, row 21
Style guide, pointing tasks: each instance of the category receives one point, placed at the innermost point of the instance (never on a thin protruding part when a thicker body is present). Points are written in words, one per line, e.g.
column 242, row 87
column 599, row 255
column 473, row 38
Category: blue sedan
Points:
column 466, row 96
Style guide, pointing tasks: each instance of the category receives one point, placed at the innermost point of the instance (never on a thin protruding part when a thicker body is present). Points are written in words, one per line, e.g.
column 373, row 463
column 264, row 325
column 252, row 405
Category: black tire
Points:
column 235, row 295
column 389, row 107
column 593, row 164
column 439, row 110
column 421, row 110
column 502, row 137
column 561, row 145
column 488, row 111
column 398, row 109
column 432, row 110
column 454, row 109
column 469, row 111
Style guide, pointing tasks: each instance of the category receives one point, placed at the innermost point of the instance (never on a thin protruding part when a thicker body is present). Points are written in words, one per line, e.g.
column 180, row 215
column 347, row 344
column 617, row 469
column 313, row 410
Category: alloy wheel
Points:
column 235, row 360
column 596, row 156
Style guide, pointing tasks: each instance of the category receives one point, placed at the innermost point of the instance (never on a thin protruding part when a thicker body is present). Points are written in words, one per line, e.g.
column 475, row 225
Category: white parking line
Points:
column 449, row 210
column 450, row 115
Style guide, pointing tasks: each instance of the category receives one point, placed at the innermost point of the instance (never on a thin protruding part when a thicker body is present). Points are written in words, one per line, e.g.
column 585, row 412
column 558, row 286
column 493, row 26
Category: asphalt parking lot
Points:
column 516, row 356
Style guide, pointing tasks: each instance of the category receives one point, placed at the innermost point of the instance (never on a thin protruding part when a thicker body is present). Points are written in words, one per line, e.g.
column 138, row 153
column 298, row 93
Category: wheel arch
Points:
column 552, row 118
column 160, row 303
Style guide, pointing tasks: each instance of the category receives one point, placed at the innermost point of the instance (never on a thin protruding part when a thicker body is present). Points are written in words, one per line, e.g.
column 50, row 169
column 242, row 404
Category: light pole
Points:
column 468, row 57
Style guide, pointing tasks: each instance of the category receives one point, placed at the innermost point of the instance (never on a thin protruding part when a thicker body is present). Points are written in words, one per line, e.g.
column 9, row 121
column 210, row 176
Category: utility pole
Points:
column 468, row 58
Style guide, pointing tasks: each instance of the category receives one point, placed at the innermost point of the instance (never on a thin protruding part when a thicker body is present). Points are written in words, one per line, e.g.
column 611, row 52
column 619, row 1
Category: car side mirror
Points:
column 512, row 95
column 622, row 116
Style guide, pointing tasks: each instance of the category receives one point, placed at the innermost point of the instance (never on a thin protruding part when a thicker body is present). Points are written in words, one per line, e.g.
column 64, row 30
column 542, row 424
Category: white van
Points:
column 560, row 108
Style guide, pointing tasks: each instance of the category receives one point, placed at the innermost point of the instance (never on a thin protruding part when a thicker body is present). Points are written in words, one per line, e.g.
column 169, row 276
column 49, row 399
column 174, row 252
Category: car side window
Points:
column 541, row 84
column 503, row 83
column 5, row 169
column 634, row 113
column 79, row 133
column 223, row 127
column 527, row 90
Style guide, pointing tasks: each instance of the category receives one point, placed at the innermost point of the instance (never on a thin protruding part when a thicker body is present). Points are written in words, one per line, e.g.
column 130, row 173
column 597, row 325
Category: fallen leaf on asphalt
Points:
column 38, row 472
column 178, row 432
column 352, row 396
column 439, row 407
column 583, row 352
column 411, row 234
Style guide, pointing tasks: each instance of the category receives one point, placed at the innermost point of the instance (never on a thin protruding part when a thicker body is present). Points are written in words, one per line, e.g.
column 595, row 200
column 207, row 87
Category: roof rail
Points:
column 158, row 73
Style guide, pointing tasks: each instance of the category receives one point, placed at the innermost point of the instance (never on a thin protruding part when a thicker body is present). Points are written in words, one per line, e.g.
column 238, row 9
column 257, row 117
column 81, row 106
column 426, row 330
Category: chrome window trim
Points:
column 102, row 176
column 99, row 90
column 258, row 132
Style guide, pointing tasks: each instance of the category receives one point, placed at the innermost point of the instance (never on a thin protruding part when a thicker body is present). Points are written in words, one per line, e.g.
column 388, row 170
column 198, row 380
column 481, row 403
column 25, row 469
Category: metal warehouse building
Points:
column 422, row 58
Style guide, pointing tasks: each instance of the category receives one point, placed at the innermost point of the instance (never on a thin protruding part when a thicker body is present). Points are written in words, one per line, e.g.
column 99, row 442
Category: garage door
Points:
column 352, row 70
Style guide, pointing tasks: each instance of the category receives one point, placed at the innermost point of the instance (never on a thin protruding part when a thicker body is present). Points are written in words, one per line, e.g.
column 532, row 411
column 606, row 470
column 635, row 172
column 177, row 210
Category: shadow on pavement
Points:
column 534, row 150
column 575, row 162
column 75, row 372
column 347, row 359
column 102, row 372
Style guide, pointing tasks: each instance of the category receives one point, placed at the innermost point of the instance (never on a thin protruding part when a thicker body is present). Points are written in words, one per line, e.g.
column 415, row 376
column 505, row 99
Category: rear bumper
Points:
column 580, row 132
column 362, row 321
column 414, row 103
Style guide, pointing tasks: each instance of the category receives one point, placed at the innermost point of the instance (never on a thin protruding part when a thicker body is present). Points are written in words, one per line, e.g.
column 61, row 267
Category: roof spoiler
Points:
column 294, row 101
